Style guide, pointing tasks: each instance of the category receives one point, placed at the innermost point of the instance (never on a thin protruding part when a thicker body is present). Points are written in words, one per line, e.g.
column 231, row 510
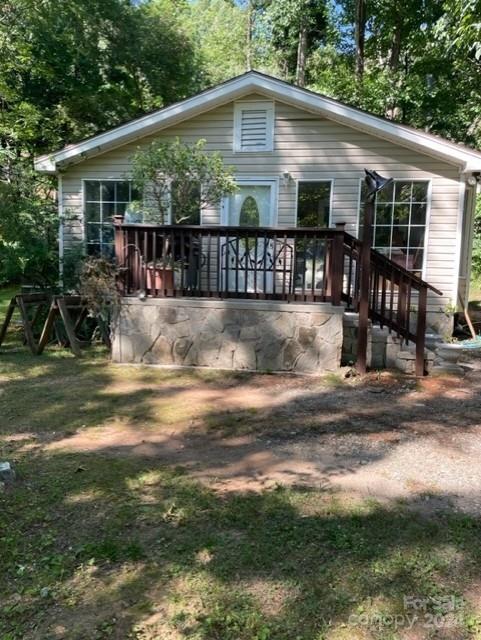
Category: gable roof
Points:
column 253, row 81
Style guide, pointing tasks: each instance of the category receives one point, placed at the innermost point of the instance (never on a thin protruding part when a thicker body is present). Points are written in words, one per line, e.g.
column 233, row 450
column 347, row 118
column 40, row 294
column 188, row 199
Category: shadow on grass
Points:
column 127, row 549
column 102, row 546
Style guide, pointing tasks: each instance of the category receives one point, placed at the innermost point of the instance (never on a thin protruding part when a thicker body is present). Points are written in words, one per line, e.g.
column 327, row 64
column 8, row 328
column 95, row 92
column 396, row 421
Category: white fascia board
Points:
column 427, row 144
column 147, row 124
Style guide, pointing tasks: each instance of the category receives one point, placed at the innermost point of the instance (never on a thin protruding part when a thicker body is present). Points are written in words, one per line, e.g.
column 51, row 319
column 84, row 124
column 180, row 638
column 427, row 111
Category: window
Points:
column 103, row 200
column 313, row 204
column 254, row 126
column 400, row 215
column 313, row 210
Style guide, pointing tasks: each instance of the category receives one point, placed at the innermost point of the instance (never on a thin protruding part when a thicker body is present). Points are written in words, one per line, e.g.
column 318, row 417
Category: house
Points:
column 270, row 278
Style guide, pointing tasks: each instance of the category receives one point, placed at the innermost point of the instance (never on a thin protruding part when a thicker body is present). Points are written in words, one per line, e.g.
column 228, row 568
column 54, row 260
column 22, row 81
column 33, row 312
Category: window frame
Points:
column 331, row 181
column 84, row 208
column 427, row 224
column 239, row 106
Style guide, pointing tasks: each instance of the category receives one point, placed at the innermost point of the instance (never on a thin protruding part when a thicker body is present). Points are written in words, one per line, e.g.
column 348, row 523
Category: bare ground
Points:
column 382, row 436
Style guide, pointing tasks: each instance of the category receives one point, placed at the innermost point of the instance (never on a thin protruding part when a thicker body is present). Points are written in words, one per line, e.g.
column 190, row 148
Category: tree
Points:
column 181, row 178
column 28, row 225
column 69, row 70
column 297, row 28
column 218, row 28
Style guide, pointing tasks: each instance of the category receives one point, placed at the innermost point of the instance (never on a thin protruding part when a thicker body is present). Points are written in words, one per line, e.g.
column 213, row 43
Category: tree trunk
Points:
column 396, row 44
column 249, row 37
column 301, row 55
column 360, row 35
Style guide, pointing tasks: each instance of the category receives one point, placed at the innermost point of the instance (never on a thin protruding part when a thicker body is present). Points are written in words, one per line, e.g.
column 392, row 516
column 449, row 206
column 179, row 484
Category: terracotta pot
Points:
column 159, row 278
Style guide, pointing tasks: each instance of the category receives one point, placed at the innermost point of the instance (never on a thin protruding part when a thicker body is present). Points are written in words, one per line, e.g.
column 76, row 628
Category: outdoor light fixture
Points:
column 374, row 183
column 286, row 176
column 473, row 179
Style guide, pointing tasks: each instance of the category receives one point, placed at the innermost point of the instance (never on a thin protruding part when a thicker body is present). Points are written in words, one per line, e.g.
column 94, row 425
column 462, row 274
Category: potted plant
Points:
column 160, row 274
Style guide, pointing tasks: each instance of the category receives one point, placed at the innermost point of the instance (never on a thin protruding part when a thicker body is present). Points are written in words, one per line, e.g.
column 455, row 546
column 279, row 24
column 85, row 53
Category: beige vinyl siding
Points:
column 309, row 147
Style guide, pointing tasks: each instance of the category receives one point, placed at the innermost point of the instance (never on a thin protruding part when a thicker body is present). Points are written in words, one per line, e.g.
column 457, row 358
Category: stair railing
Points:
column 397, row 297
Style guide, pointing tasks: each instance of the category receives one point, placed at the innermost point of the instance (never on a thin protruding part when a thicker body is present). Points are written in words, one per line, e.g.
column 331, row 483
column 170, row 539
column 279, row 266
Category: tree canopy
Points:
column 71, row 69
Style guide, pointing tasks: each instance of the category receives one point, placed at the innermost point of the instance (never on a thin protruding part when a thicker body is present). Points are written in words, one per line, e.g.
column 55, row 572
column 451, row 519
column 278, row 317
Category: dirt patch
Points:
column 383, row 436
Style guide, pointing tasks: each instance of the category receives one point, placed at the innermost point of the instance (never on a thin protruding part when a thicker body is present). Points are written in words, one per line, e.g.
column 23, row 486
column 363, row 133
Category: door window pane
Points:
column 103, row 200
column 249, row 213
column 260, row 194
column 313, row 204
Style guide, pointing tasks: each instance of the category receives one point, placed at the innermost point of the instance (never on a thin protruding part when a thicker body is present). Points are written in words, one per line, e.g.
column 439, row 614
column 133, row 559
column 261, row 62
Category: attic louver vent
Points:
column 253, row 127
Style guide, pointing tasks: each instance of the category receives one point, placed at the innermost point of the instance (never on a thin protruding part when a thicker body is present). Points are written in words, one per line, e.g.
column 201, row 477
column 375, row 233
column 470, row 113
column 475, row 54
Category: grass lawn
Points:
column 101, row 544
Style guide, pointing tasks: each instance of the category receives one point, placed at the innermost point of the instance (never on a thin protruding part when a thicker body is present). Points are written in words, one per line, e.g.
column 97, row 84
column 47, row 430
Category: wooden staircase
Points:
column 397, row 299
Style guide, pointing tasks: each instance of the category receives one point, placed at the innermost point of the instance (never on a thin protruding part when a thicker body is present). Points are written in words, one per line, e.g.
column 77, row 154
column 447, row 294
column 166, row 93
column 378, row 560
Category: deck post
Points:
column 421, row 331
column 364, row 285
column 337, row 265
column 119, row 249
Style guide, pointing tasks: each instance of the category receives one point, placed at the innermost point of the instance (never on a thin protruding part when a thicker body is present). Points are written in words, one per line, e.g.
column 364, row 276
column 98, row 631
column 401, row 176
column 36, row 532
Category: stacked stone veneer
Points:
column 384, row 350
column 228, row 334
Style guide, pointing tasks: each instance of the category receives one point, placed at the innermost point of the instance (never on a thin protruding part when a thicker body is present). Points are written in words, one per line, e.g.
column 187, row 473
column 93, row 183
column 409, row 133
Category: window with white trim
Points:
column 103, row 199
column 400, row 218
column 313, row 210
column 253, row 126
column 313, row 203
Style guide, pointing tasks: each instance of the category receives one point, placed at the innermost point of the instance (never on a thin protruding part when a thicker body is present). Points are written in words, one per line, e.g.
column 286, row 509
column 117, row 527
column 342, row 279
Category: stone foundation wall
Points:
column 384, row 350
column 229, row 334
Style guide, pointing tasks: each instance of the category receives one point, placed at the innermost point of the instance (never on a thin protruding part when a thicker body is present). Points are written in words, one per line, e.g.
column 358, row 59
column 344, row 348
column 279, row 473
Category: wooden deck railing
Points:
column 290, row 264
column 231, row 262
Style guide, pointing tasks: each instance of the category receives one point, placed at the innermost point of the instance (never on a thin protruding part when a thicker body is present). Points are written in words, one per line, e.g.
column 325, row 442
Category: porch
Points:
column 295, row 270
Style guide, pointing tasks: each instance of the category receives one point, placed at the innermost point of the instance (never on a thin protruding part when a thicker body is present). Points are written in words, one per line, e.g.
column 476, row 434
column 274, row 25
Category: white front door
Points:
column 247, row 262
